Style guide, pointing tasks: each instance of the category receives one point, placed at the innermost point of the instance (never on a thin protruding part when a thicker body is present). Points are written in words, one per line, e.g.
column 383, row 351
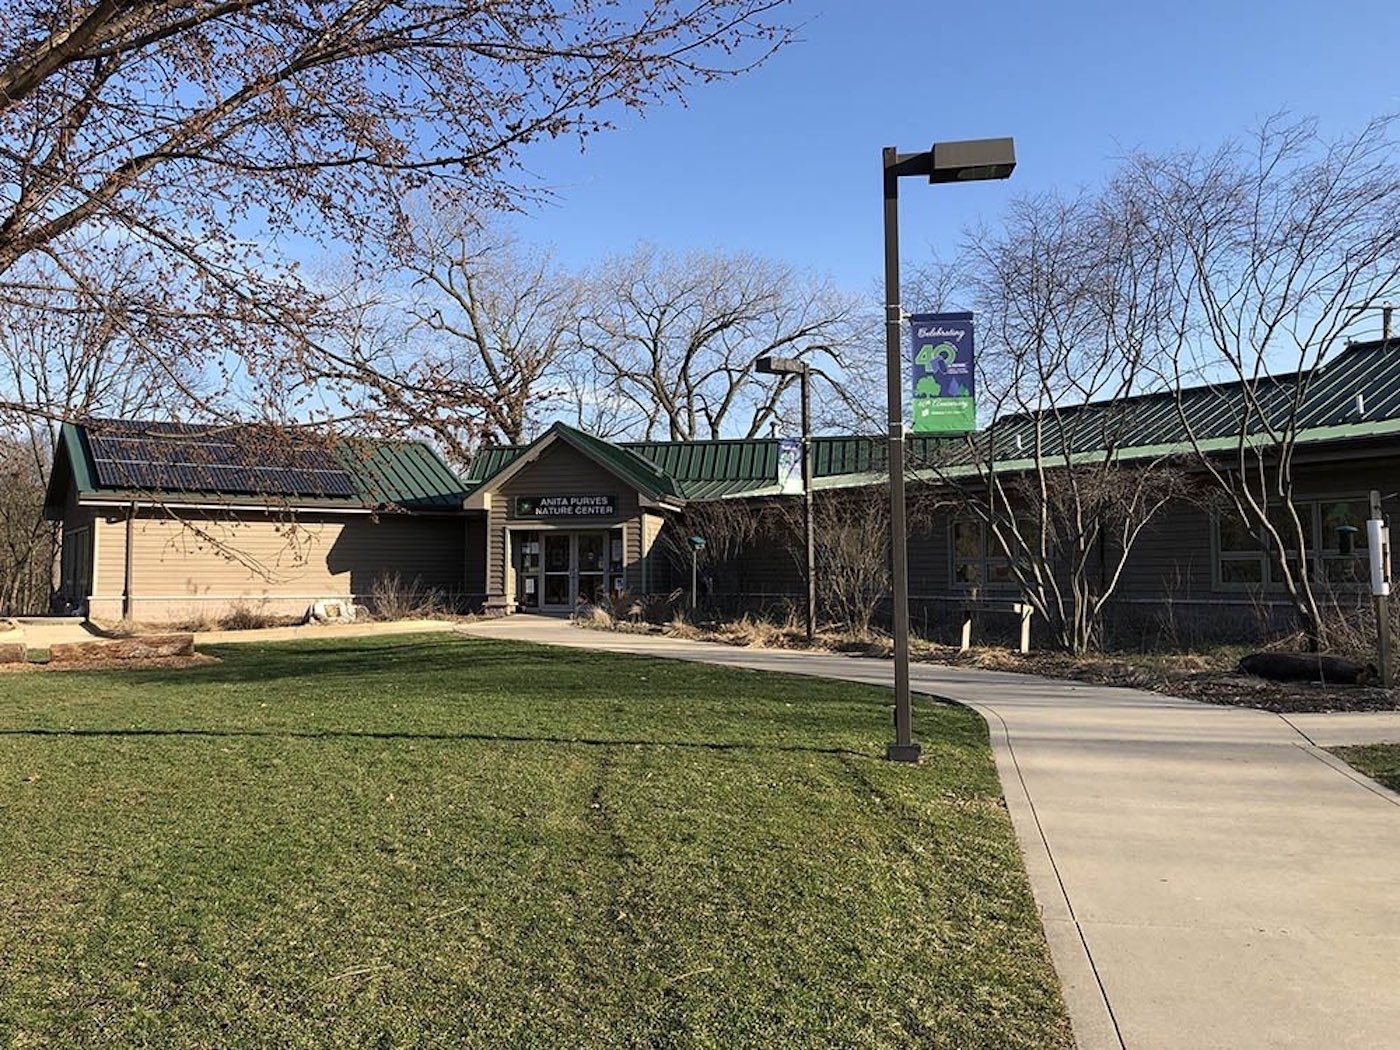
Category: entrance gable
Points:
column 563, row 471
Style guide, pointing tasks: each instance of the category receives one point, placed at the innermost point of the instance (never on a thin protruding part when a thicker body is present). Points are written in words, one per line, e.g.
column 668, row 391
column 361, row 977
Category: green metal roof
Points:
column 1320, row 403
column 1146, row 425
column 708, row 470
column 408, row 474
column 405, row 474
column 491, row 460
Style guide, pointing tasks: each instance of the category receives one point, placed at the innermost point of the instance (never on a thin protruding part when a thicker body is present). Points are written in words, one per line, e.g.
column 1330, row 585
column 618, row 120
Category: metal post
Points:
column 808, row 522
column 129, row 567
column 1381, row 599
column 694, row 560
column 904, row 749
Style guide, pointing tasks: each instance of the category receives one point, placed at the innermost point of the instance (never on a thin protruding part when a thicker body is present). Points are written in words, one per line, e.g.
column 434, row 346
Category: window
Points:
column 1344, row 558
column 1241, row 559
column 976, row 563
column 1334, row 542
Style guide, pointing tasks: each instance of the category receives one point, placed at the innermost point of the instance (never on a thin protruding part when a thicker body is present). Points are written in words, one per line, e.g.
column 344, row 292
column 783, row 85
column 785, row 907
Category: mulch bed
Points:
column 1190, row 676
column 1210, row 678
column 1242, row 690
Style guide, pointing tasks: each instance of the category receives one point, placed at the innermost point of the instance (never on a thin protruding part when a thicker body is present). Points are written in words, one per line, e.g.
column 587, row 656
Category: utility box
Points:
column 1378, row 542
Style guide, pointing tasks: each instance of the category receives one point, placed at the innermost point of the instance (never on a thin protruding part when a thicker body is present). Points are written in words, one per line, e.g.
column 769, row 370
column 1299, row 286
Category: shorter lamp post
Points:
column 791, row 366
column 697, row 544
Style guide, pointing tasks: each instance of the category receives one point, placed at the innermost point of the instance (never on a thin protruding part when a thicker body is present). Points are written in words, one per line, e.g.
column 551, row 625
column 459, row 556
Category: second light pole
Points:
column 792, row 366
column 947, row 162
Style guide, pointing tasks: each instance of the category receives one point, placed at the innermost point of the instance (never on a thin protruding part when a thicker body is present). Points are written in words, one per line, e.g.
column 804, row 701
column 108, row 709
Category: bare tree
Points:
column 676, row 338
column 208, row 136
column 27, row 543
column 476, row 350
column 1070, row 298
column 1277, row 245
column 62, row 356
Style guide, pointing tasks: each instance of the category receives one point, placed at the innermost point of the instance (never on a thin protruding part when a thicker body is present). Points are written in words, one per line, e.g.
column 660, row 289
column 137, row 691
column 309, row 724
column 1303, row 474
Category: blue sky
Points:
column 785, row 161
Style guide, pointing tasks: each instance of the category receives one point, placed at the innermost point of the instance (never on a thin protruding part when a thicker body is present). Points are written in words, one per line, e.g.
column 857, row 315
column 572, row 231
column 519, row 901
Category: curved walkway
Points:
column 1207, row 877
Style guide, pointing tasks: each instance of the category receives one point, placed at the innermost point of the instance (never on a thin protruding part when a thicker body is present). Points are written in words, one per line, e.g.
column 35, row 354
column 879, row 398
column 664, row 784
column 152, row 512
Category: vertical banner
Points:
column 941, row 374
column 790, row 466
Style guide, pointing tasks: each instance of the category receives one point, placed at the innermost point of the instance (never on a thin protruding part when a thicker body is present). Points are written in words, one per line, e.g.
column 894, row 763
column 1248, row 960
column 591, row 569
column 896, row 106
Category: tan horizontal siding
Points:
column 253, row 556
column 561, row 470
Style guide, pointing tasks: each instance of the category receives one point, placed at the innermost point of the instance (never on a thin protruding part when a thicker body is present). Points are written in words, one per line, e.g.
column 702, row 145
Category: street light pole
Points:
column 808, row 524
column 904, row 748
column 792, row 366
column 947, row 162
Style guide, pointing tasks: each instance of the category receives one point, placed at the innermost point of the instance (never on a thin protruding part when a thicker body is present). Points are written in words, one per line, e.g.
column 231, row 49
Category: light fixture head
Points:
column 780, row 366
column 972, row 160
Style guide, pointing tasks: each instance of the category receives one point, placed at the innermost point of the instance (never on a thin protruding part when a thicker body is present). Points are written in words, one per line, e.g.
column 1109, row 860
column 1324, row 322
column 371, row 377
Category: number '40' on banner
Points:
column 941, row 374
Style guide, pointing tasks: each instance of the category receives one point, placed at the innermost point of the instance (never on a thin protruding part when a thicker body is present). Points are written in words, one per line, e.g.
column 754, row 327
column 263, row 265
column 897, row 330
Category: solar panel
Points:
column 180, row 457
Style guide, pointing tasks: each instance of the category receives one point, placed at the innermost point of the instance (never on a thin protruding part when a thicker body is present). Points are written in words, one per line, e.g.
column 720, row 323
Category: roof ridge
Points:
column 647, row 462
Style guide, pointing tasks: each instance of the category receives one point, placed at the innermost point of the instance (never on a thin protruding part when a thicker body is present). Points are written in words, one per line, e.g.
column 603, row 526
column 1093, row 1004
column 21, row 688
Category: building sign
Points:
column 941, row 374
column 790, row 466
column 565, row 506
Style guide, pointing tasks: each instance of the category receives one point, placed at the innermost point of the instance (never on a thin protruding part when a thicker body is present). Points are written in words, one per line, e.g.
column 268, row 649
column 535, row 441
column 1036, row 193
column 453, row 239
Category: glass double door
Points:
column 558, row 570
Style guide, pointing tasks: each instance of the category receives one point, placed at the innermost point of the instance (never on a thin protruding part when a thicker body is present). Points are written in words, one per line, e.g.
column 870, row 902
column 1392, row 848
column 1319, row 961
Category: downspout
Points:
column 127, row 596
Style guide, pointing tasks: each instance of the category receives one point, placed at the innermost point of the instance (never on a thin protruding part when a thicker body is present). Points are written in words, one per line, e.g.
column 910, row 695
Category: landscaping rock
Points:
column 148, row 647
column 1307, row 667
column 12, row 653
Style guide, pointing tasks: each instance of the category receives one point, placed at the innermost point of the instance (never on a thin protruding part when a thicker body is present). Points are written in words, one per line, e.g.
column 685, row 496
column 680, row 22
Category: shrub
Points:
column 393, row 598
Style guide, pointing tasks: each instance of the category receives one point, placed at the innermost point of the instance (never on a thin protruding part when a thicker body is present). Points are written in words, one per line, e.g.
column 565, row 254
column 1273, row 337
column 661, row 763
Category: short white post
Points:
column 1026, row 613
column 1378, row 546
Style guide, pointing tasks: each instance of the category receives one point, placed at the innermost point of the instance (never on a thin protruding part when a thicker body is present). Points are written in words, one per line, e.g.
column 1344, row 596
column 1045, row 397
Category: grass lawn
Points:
column 438, row 841
column 1380, row 762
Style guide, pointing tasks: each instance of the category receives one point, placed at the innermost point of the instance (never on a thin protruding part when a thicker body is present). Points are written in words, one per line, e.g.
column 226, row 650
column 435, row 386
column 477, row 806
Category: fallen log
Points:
column 1308, row 667
column 150, row 647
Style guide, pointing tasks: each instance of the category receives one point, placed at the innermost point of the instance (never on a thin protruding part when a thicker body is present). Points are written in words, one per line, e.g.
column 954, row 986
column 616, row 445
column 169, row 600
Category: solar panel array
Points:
column 178, row 457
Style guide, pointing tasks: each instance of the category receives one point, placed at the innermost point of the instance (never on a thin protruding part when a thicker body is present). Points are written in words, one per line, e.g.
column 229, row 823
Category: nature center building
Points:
column 164, row 522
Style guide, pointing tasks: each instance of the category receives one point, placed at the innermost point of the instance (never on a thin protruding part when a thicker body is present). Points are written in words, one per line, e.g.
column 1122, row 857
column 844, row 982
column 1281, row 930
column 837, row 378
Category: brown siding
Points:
column 930, row 557
column 474, row 538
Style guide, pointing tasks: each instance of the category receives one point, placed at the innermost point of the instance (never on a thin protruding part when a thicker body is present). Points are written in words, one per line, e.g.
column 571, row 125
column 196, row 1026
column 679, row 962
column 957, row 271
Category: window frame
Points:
column 1319, row 557
column 984, row 560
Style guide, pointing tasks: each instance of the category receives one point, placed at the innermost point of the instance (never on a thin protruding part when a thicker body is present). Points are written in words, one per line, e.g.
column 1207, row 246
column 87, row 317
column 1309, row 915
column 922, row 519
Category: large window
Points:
column 1334, row 539
column 977, row 561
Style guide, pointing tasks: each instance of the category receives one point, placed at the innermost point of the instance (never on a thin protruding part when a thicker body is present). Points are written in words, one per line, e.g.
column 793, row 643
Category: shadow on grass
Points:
column 489, row 738
column 435, row 661
column 501, row 663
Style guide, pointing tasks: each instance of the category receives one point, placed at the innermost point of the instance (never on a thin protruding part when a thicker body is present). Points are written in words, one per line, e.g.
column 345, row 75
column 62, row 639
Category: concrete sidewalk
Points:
column 1207, row 877
column 1335, row 728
